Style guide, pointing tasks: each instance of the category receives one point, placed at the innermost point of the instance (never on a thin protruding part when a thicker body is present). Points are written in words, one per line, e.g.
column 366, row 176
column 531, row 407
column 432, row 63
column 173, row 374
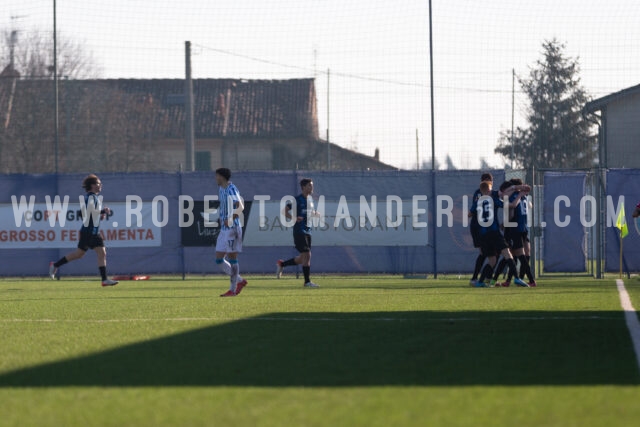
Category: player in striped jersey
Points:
column 229, row 242
column 90, row 237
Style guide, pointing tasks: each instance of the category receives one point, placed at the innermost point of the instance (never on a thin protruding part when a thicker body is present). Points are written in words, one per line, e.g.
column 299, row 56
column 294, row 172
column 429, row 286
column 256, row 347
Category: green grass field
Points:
column 361, row 351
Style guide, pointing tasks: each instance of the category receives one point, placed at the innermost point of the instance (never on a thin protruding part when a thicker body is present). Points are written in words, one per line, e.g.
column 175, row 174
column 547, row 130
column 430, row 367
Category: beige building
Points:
column 139, row 125
column 619, row 117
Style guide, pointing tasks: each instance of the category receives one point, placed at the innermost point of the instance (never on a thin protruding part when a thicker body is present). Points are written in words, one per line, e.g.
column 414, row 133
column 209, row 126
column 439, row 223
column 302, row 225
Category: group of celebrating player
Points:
column 229, row 241
column 508, row 242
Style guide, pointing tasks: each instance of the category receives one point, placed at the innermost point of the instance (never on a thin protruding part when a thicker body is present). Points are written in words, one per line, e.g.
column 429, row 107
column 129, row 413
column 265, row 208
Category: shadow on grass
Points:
column 365, row 349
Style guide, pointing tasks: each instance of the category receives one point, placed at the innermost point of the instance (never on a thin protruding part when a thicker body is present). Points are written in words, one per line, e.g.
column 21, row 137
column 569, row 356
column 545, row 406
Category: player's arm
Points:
column 520, row 188
column 474, row 205
column 238, row 206
column 515, row 201
column 287, row 211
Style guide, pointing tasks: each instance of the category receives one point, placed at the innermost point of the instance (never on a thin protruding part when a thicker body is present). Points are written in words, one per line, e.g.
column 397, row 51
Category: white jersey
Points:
column 229, row 198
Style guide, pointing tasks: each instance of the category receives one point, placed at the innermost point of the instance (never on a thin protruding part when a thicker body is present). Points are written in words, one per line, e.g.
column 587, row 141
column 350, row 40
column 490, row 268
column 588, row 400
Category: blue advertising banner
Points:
column 564, row 235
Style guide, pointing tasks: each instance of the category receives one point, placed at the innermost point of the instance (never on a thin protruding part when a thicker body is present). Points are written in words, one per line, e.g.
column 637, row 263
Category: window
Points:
column 203, row 160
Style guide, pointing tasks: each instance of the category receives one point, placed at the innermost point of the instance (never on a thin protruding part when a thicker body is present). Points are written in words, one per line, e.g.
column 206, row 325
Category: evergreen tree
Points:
column 557, row 135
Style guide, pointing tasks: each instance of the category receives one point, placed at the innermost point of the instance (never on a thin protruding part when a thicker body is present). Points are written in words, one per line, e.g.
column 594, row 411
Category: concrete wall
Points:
column 266, row 154
column 623, row 132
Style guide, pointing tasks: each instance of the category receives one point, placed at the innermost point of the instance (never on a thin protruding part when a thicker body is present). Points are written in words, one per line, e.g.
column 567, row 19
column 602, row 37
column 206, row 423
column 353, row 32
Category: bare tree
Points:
column 101, row 127
column 111, row 130
column 33, row 53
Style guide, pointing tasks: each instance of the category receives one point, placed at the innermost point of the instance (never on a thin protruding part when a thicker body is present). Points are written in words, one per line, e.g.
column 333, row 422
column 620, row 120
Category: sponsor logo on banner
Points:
column 203, row 230
column 396, row 223
column 36, row 231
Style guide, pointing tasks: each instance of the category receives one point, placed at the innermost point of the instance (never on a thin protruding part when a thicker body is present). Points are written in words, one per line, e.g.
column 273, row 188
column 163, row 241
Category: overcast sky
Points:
column 377, row 52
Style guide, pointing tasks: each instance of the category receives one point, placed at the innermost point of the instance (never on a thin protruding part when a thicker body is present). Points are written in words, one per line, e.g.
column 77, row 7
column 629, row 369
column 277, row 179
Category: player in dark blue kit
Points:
column 519, row 235
column 302, row 210
column 474, row 228
column 90, row 237
column 492, row 241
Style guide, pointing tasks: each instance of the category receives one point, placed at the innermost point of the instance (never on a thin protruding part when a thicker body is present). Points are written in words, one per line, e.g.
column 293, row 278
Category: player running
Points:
column 492, row 240
column 301, row 232
column 229, row 242
column 90, row 238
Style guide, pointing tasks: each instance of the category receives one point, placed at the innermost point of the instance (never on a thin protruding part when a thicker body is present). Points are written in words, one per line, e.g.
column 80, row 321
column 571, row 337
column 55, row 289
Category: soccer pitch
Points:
column 360, row 351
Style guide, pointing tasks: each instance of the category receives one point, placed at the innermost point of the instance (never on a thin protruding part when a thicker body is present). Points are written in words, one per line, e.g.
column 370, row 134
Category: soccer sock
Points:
column 499, row 269
column 525, row 268
column 528, row 257
column 512, row 269
column 478, row 267
column 224, row 266
column 103, row 272
column 306, row 270
column 486, row 273
column 289, row 262
column 62, row 261
column 235, row 273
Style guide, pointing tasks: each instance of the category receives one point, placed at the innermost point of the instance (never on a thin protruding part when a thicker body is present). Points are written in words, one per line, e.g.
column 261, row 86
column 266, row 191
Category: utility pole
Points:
column 433, row 149
column 433, row 137
column 417, row 151
column 55, row 89
column 513, row 113
column 188, row 97
column 328, row 118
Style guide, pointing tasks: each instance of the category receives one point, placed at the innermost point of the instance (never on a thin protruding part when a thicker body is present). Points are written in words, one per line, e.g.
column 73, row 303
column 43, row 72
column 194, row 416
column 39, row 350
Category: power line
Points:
column 297, row 67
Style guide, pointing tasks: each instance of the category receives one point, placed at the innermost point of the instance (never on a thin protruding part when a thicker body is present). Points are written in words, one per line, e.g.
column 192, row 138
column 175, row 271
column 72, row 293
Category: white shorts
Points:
column 229, row 240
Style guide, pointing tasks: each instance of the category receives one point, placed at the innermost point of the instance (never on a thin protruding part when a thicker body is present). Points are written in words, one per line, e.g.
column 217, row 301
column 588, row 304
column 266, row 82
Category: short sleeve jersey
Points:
column 302, row 208
column 486, row 210
column 229, row 198
column 92, row 203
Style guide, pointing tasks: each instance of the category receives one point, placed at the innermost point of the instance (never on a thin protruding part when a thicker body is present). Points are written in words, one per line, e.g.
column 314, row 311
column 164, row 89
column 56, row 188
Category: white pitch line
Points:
column 631, row 317
column 312, row 319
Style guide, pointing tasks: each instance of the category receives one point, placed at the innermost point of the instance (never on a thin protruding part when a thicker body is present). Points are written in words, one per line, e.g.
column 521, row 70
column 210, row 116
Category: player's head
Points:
column 223, row 175
column 306, row 185
column 486, row 177
column 92, row 184
column 485, row 187
column 516, row 181
column 505, row 185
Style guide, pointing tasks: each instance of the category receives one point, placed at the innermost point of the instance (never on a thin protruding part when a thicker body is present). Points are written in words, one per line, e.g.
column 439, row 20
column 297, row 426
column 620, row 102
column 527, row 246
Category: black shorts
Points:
column 513, row 238
column 302, row 242
column 90, row 241
column 475, row 235
column 492, row 243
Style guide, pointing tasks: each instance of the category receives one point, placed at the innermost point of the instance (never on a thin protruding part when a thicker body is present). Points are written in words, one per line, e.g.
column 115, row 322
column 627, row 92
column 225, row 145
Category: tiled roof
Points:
column 222, row 107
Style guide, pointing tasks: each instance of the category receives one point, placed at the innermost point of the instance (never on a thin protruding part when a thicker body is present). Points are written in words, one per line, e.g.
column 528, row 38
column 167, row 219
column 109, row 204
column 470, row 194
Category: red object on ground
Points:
column 132, row 277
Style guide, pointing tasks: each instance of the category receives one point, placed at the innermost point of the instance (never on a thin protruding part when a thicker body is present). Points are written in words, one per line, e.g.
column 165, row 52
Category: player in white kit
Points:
column 229, row 243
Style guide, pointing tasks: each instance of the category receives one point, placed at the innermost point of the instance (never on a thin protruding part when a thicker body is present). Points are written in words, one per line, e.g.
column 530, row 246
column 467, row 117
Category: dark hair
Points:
column 305, row 181
column 224, row 172
column 485, row 185
column 505, row 185
column 486, row 177
column 90, row 180
column 516, row 181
